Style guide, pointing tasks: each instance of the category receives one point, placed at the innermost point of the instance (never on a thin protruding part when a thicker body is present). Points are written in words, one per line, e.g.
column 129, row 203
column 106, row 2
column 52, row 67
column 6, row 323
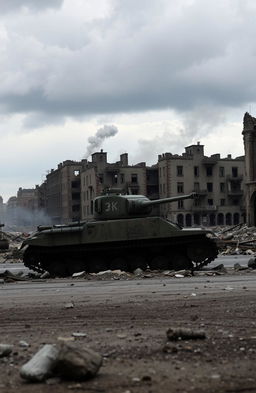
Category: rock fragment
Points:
column 5, row 350
column 77, row 363
column 41, row 365
column 174, row 334
column 252, row 263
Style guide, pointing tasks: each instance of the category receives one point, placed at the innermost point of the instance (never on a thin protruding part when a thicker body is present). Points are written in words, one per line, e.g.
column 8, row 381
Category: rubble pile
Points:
column 12, row 252
column 239, row 239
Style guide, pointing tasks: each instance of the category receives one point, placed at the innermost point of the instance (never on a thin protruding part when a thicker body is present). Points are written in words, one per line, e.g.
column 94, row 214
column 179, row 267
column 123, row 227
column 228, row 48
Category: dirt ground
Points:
column 130, row 333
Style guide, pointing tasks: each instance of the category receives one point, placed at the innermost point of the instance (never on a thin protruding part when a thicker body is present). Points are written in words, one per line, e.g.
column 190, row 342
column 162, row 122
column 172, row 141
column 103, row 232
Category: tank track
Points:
column 64, row 261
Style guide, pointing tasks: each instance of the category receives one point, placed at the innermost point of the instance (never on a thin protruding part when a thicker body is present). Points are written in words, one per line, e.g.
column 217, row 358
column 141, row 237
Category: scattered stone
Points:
column 252, row 263
column 23, row 344
column 121, row 335
column 53, row 381
column 170, row 348
column 41, row 365
column 69, row 305
column 104, row 272
column 249, row 252
column 238, row 267
column 77, row 363
column 179, row 275
column 5, row 350
column 60, row 338
column 219, row 267
column 79, row 274
column 79, row 334
column 138, row 271
column 228, row 288
column 45, row 275
column 118, row 272
column 174, row 334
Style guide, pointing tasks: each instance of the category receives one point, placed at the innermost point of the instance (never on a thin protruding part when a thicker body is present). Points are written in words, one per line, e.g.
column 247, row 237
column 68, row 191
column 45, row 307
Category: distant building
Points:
column 217, row 181
column 98, row 175
column 27, row 198
column 62, row 192
column 2, row 208
column 249, row 136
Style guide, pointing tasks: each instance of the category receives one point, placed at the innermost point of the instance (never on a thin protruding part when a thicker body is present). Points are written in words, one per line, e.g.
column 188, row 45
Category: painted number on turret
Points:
column 111, row 207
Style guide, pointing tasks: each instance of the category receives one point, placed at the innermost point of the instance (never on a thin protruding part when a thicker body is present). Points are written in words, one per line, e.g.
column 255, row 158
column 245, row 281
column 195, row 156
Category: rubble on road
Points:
column 175, row 334
column 5, row 350
column 236, row 240
column 62, row 360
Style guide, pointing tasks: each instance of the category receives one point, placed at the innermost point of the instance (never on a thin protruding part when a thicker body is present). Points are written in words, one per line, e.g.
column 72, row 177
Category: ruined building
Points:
column 68, row 191
column 98, row 175
column 62, row 192
column 249, row 136
column 217, row 181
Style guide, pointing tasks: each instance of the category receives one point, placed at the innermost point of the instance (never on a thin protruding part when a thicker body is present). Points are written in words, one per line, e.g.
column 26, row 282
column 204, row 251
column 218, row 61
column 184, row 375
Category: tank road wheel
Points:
column 202, row 254
column 199, row 252
column 136, row 261
column 56, row 267
column 159, row 262
column 118, row 263
column 180, row 261
column 96, row 264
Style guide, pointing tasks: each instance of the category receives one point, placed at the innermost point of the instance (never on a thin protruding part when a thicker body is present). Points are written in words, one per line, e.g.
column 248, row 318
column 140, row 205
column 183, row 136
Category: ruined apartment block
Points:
column 99, row 175
column 217, row 181
column 62, row 192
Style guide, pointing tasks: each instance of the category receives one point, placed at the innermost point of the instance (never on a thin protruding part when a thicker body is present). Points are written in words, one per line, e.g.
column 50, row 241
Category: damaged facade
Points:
column 217, row 181
column 61, row 191
column 99, row 175
column 226, row 187
column 249, row 137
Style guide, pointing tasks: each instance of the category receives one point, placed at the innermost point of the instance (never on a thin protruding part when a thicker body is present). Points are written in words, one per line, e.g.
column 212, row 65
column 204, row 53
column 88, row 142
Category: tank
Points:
column 123, row 235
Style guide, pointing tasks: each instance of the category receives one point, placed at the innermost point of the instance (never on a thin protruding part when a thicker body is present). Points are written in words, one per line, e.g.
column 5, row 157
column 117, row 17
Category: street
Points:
column 125, row 320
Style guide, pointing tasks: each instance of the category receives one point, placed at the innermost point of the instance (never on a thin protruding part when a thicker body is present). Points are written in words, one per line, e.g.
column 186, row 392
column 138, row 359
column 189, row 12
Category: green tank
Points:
column 123, row 235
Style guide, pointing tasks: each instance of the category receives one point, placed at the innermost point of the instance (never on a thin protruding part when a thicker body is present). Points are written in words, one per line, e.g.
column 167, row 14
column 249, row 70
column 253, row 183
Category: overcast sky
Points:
column 162, row 74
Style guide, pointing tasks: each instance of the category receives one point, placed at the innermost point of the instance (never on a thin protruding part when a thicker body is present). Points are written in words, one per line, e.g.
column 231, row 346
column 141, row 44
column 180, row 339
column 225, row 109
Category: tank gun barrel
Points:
column 169, row 200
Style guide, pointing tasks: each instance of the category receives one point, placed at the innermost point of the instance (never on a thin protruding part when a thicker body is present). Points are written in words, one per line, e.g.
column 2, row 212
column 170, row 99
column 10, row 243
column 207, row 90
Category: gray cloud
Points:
column 145, row 55
column 7, row 6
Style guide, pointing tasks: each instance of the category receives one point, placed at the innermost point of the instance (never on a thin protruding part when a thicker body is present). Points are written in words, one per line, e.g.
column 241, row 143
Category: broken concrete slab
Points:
column 174, row 334
column 40, row 366
column 77, row 363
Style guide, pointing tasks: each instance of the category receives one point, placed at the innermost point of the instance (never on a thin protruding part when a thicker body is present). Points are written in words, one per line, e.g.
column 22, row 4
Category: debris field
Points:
column 154, row 336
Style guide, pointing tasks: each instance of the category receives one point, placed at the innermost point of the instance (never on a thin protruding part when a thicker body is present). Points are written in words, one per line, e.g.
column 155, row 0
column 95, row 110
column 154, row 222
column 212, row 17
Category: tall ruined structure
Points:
column 249, row 135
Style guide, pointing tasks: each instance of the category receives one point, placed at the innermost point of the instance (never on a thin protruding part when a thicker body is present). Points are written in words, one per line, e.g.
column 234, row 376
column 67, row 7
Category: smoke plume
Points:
column 94, row 142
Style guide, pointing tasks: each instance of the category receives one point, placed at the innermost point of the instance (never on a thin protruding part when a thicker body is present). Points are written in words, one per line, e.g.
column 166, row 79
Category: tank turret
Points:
column 113, row 205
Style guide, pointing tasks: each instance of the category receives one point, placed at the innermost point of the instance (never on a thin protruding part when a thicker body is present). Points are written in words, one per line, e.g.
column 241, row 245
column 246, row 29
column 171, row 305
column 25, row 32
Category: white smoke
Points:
column 94, row 142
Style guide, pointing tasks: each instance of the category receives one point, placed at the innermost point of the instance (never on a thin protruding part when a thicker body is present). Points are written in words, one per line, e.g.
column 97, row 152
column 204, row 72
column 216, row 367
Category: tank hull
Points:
column 118, row 244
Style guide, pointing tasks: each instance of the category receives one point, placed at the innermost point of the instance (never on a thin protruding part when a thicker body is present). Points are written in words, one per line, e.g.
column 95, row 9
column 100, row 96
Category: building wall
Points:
column 63, row 191
column 218, row 183
column 249, row 137
column 98, row 175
